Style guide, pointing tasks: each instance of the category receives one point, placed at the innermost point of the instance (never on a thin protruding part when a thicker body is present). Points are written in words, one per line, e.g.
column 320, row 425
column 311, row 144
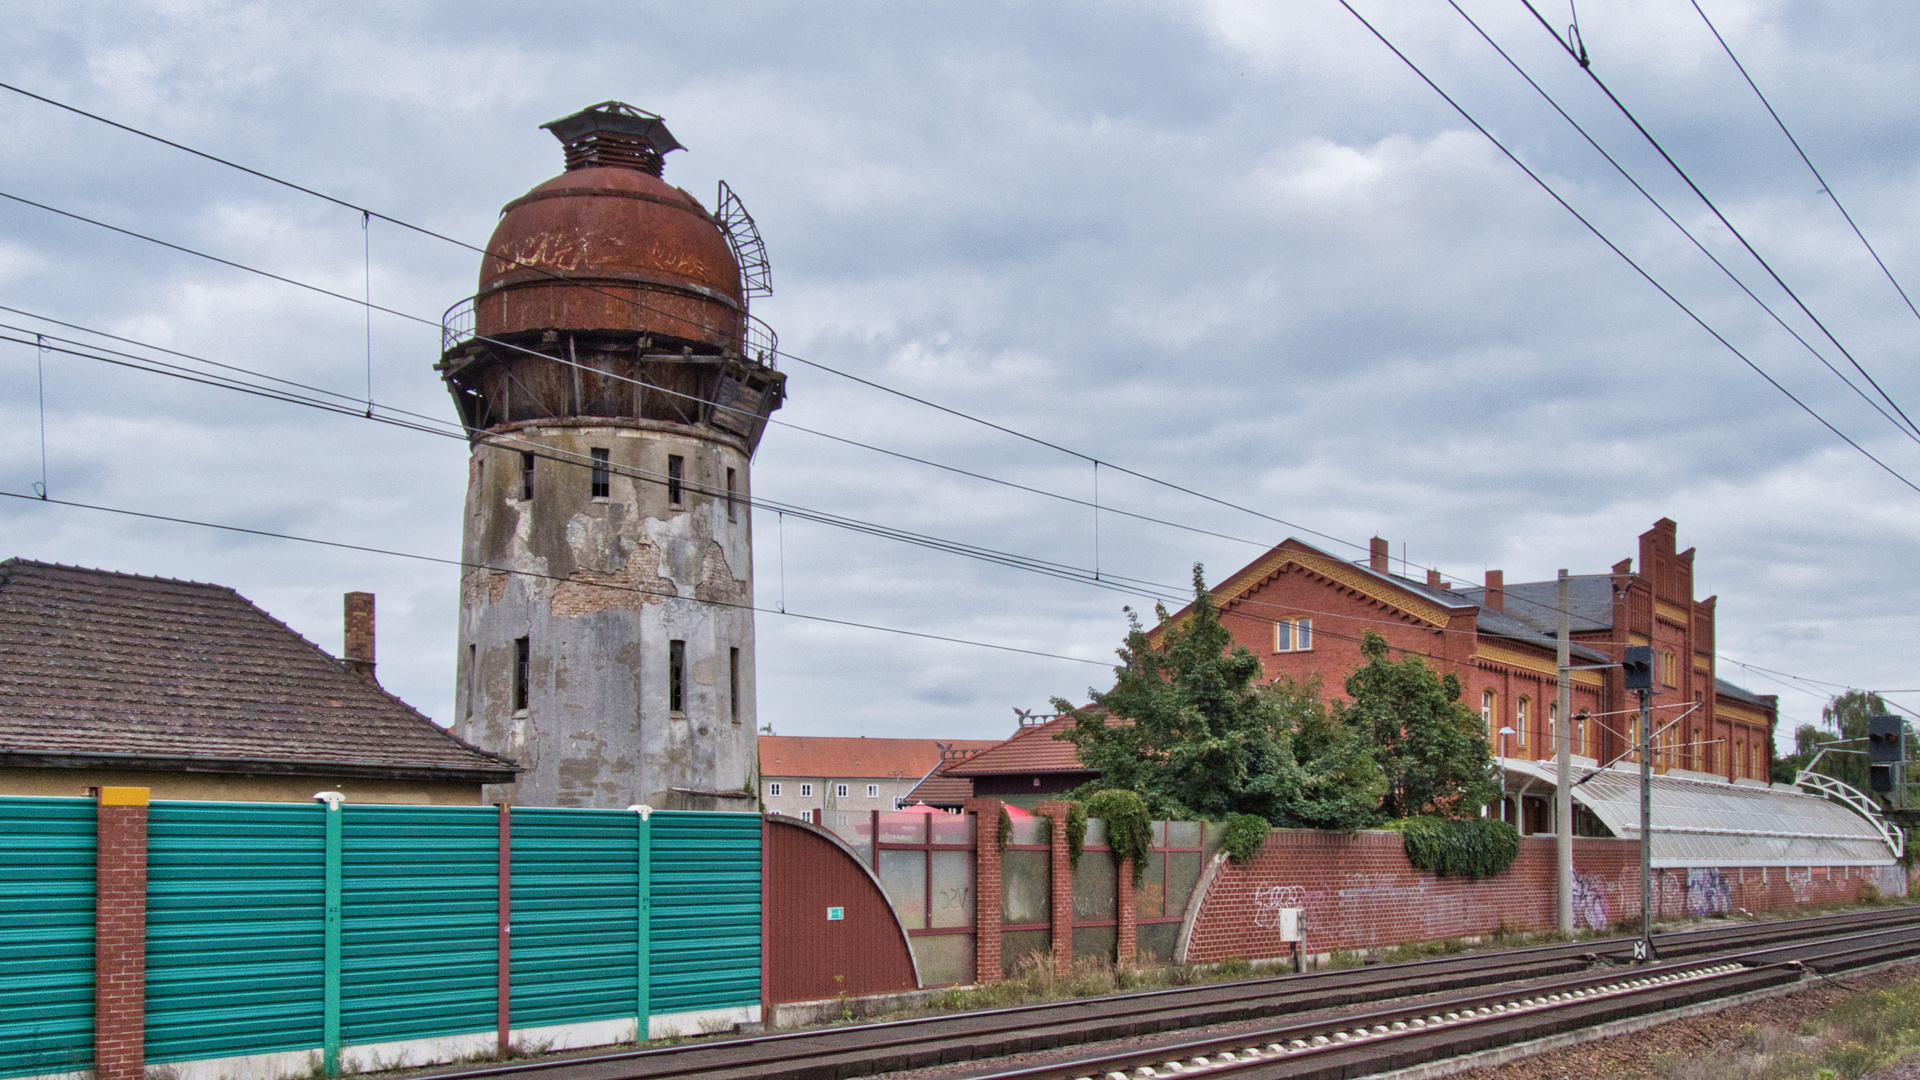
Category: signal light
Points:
column 1638, row 667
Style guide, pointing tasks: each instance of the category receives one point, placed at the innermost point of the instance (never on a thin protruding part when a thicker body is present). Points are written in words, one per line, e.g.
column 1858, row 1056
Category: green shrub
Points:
column 1245, row 833
column 1129, row 830
column 1471, row 848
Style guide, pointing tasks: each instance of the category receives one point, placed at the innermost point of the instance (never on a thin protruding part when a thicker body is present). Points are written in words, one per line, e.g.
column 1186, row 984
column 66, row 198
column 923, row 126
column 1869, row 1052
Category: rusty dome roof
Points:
column 651, row 259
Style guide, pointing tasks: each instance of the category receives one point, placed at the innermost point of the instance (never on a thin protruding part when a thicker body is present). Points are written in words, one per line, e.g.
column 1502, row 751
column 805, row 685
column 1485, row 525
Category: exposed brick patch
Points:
column 1127, row 933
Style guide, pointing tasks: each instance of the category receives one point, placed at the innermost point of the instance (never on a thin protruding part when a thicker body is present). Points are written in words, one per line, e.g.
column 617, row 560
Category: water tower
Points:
column 614, row 389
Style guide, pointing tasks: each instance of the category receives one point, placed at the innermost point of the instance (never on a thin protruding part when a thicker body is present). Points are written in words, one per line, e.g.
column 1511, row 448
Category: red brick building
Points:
column 1303, row 611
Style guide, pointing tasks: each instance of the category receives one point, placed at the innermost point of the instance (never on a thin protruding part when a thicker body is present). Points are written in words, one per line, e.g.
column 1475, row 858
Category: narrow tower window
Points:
column 730, row 510
column 602, row 473
column 522, row 672
column 676, row 676
column 526, row 474
column 676, row 470
column 473, row 663
column 733, row 680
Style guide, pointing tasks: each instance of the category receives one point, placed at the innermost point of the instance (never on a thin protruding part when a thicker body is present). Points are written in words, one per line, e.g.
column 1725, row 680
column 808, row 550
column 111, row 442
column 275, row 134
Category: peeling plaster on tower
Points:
column 615, row 389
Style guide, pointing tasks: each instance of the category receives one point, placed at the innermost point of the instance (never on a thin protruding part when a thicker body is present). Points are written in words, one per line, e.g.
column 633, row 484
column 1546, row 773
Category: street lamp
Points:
column 1504, row 732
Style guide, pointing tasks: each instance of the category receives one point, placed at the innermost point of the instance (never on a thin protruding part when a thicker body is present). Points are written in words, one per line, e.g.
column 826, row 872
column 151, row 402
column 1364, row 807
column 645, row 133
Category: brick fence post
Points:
column 120, row 934
column 1126, row 951
column 1062, row 876
column 986, row 889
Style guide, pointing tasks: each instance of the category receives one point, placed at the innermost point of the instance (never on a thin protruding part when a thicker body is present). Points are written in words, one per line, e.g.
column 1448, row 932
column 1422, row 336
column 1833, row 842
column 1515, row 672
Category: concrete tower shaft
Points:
column 608, row 373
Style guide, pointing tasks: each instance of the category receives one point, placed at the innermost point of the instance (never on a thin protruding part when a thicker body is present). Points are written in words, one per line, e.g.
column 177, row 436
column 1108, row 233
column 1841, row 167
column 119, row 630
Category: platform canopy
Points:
column 1705, row 822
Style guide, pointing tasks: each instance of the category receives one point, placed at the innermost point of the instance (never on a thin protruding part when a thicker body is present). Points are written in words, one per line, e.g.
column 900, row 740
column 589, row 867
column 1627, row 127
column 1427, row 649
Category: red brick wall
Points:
column 120, row 935
column 1360, row 892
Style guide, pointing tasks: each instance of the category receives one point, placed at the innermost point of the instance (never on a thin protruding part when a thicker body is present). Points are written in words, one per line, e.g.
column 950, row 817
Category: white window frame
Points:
column 1283, row 636
column 773, row 789
column 1488, row 700
column 839, row 791
column 806, row 791
column 1293, row 635
column 1520, row 721
column 873, row 791
column 1303, row 635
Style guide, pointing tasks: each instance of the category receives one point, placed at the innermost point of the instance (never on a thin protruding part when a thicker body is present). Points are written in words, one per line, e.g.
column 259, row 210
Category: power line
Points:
column 1825, row 188
column 1615, row 248
column 548, row 577
column 1684, row 231
column 1585, row 66
column 369, row 213
column 518, row 263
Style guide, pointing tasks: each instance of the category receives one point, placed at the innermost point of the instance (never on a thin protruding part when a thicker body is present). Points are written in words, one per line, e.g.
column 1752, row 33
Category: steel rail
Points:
column 947, row 1039
column 1483, row 1021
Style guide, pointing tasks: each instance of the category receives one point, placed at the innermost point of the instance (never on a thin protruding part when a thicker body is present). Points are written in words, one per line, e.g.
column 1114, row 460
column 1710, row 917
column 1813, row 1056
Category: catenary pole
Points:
column 1563, row 754
column 1645, row 948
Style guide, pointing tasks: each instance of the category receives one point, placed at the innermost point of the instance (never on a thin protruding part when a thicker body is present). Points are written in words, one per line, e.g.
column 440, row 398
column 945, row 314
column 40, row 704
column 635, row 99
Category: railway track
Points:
column 1483, row 1000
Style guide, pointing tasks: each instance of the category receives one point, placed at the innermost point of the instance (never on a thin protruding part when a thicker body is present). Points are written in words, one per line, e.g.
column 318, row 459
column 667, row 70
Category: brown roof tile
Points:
column 828, row 756
column 1030, row 750
column 941, row 789
column 102, row 667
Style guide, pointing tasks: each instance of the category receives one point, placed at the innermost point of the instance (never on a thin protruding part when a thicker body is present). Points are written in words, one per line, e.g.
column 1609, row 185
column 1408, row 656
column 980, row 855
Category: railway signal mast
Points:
column 1637, row 668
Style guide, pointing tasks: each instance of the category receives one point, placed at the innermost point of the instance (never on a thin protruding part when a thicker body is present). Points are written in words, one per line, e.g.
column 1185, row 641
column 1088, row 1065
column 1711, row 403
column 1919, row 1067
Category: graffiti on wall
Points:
column 1708, row 893
column 1590, row 902
column 1268, row 902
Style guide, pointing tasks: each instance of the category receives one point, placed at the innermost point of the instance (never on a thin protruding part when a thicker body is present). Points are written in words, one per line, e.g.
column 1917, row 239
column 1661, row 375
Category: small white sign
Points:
column 836, row 914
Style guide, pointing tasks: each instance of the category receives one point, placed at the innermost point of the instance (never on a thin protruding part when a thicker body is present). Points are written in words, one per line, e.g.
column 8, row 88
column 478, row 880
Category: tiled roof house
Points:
column 191, row 690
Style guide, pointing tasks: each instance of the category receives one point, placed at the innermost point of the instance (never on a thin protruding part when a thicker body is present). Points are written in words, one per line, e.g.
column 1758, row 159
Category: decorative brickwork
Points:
column 120, row 935
column 986, row 889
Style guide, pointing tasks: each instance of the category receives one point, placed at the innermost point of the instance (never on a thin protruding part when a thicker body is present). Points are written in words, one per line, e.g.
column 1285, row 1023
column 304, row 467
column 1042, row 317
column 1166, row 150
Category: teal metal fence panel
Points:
column 235, row 906
column 706, row 911
column 419, row 921
column 575, row 908
column 46, row 935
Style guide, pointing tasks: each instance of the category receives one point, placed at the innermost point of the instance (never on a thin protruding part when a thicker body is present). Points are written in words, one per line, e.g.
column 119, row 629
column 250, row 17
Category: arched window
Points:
column 1486, row 711
column 1553, row 727
column 1520, row 720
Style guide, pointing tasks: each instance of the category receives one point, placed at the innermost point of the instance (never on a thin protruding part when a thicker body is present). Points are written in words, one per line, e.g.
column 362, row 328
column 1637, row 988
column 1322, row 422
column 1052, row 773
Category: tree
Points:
column 1429, row 744
column 1189, row 730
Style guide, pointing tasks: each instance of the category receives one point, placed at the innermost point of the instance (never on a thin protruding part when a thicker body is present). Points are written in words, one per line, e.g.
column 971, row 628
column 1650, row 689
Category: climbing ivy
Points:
column 1076, row 831
column 1245, row 833
column 1471, row 848
column 1129, row 830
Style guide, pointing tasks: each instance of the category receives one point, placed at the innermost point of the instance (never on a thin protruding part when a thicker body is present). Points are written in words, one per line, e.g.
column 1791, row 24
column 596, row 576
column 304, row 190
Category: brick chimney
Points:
column 1433, row 580
column 1378, row 558
column 358, row 649
column 1496, row 599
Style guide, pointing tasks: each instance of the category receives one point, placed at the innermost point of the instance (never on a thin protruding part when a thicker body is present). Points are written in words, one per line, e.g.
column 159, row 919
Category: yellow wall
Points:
column 219, row 787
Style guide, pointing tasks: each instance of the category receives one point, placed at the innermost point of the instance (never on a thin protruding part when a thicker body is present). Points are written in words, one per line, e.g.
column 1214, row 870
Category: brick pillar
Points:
column 120, row 934
column 1127, row 951
column 1062, row 884
column 986, row 889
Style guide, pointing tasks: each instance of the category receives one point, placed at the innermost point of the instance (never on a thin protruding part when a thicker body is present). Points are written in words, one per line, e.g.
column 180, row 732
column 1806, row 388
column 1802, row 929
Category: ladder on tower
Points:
column 756, row 275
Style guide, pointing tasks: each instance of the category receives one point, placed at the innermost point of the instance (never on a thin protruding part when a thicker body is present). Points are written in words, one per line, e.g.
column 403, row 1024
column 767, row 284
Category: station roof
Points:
column 1701, row 823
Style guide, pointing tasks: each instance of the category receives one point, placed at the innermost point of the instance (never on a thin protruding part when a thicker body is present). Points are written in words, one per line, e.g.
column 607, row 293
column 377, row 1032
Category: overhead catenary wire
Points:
column 1684, row 231
column 544, row 576
column 1594, row 76
column 1825, row 187
column 1617, row 250
column 369, row 214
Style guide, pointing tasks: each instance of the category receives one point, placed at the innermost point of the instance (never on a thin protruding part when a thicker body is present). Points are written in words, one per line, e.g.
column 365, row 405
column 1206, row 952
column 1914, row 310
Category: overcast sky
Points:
column 1236, row 246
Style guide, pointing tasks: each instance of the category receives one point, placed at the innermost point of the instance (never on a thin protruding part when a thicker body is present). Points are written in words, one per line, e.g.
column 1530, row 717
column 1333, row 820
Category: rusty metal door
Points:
column 829, row 929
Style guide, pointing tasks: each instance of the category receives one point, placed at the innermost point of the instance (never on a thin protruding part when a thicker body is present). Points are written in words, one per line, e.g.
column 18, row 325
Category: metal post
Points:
column 1644, row 949
column 643, row 944
column 330, row 947
column 1563, row 752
